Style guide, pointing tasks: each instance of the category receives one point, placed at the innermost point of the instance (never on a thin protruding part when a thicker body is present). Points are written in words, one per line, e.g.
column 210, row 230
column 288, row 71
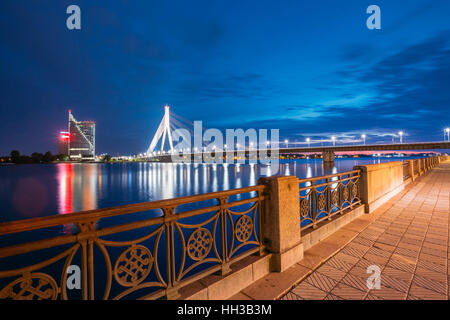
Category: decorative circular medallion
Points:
column 346, row 193
column 355, row 190
column 133, row 266
column 321, row 202
column 334, row 197
column 199, row 244
column 304, row 207
column 33, row 286
column 243, row 228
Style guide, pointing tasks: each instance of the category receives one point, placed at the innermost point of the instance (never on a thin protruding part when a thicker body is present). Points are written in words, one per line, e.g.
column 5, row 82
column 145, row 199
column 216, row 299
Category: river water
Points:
column 28, row 191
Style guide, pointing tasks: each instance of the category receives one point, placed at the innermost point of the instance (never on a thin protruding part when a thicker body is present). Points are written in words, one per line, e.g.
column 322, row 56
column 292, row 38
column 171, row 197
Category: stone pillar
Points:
column 411, row 169
column 328, row 156
column 281, row 222
column 379, row 183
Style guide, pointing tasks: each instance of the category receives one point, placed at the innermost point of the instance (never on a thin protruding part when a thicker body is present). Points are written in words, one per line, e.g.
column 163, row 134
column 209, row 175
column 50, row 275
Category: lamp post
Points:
column 364, row 138
column 401, row 136
column 286, row 142
column 447, row 130
column 333, row 138
column 308, row 140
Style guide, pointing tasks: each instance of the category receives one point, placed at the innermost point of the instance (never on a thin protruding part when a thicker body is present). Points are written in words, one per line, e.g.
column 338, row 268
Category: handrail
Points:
column 76, row 217
column 327, row 176
column 206, row 239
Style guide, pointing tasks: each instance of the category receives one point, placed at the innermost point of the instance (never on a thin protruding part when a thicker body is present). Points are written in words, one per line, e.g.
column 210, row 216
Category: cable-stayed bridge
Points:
column 168, row 124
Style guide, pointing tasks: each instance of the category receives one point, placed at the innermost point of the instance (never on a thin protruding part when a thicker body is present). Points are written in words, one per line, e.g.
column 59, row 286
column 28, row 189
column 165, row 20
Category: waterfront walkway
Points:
column 407, row 239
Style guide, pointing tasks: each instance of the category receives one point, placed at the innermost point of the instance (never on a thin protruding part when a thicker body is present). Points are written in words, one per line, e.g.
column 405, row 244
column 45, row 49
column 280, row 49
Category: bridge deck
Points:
column 407, row 238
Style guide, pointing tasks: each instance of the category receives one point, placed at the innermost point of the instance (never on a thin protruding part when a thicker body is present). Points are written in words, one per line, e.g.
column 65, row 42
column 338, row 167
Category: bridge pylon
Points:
column 163, row 131
column 328, row 156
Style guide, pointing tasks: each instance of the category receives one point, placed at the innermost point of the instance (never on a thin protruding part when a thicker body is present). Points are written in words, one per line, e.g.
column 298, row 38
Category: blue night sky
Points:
column 308, row 68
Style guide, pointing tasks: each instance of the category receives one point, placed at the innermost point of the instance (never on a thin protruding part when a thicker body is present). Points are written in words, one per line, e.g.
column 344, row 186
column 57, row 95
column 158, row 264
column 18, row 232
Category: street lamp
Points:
column 286, row 142
column 333, row 138
column 401, row 136
column 448, row 134
column 308, row 140
column 364, row 138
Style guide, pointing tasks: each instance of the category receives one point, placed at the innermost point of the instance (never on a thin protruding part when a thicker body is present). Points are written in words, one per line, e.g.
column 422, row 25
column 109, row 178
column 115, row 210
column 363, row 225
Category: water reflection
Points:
column 90, row 186
column 80, row 187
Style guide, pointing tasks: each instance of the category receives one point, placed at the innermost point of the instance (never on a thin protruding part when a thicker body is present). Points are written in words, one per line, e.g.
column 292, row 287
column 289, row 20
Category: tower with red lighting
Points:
column 63, row 143
column 80, row 139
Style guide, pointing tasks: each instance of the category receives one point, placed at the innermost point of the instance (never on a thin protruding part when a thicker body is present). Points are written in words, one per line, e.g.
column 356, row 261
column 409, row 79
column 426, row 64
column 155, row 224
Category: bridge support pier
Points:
column 328, row 156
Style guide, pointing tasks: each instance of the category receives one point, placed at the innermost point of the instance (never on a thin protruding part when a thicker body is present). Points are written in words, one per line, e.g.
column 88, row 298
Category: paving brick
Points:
column 321, row 281
column 347, row 292
column 407, row 237
column 307, row 291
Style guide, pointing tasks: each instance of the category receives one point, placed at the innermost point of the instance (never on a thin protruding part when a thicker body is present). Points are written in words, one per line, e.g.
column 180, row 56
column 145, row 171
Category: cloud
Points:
column 221, row 86
column 403, row 90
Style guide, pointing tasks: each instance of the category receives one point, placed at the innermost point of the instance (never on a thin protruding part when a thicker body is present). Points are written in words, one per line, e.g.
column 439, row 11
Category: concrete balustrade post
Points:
column 411, row 169
column 281, row 222
column 379, row 183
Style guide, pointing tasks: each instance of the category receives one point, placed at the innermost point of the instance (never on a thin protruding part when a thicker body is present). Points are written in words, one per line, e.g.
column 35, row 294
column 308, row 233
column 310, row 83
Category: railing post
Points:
column 328, row 199
column 313, row 201
column 85, row 239
column 223, row 234
column 281, row 223
column 171, row 291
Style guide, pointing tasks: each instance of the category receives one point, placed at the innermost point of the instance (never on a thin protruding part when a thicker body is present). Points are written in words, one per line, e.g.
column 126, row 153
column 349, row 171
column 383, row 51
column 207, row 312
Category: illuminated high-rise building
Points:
column 81, row 139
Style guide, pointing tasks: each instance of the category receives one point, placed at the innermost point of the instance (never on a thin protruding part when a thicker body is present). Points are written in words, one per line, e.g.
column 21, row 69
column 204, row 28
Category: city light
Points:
column 65, row 135
column 401, row 136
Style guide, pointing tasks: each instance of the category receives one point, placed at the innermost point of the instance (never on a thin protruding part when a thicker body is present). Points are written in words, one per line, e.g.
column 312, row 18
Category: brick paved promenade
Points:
column 407, row 238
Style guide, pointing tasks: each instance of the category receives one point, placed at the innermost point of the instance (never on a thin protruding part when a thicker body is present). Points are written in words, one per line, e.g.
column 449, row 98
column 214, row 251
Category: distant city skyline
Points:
column 311, row 69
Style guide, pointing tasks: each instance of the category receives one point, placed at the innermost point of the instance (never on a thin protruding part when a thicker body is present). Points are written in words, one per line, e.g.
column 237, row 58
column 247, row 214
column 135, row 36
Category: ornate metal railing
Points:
column 149, row 249
column 323, row 197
